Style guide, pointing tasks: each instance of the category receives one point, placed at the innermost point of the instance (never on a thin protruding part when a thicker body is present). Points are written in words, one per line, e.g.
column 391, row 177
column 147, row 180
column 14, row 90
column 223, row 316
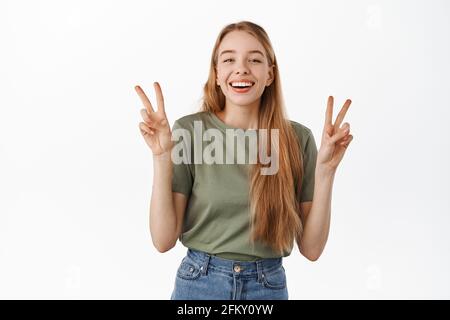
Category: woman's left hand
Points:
column 335, row 138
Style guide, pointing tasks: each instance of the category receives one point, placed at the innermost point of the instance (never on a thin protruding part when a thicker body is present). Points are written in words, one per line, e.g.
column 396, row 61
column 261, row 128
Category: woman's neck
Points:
column 243, row 117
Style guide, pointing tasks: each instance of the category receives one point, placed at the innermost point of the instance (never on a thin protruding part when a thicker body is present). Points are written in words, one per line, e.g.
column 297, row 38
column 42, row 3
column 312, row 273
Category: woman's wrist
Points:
column 163, row 157
column 325, row 171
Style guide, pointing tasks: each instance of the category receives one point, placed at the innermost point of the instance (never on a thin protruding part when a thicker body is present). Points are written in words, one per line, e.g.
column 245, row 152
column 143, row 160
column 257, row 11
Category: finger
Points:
column 342, row 113
column 158, row 123
column 346, row 143
column 339, row 154
column 344, row 140
column 144, row 99
column 159, row 98
column 151, row 120
column 155, row 122
column 340, row 134
column 329, row 129
column 146, row 117
column 329, row 113
column 145, row 128
column 346, row 125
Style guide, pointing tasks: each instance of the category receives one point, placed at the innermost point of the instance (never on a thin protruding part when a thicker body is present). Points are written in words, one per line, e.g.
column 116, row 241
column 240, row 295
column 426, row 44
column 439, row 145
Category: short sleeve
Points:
column 183, row 173
column 309, row 168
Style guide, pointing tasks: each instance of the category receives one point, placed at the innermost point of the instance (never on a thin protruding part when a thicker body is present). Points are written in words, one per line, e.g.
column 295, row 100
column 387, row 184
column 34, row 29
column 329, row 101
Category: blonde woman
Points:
column 239, row 219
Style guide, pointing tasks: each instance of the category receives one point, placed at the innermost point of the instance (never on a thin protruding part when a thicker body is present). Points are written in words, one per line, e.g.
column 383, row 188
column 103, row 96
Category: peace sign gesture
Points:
column 155, row 129
column 335, row 139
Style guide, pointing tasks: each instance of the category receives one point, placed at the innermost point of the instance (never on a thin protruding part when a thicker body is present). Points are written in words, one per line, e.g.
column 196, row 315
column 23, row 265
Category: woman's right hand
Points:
column 155, row 129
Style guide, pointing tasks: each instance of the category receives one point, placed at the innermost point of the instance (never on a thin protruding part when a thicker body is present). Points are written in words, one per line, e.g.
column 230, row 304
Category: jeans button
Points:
column 237, row 268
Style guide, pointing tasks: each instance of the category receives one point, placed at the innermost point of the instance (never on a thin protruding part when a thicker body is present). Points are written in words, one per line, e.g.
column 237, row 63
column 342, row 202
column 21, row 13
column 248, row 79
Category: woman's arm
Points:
column 166, row 207
column 316, row 215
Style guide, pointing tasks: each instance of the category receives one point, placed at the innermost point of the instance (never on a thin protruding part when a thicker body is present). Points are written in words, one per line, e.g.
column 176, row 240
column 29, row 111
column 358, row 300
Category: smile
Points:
column 241, row 87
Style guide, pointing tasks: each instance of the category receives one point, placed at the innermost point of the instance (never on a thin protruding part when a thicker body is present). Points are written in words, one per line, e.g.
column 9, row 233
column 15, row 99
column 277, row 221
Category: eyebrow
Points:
column 234, row 51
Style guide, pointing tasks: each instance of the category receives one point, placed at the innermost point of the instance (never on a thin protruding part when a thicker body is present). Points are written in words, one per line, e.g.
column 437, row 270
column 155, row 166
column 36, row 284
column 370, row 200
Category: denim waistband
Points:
column 235, row 267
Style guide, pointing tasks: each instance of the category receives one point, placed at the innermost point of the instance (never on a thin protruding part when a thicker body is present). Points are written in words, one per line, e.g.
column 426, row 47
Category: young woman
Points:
column 237, row 221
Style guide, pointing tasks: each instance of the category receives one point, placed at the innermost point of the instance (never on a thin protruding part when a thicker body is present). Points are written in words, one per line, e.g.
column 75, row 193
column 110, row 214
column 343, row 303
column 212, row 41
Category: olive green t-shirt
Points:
column 216, row 219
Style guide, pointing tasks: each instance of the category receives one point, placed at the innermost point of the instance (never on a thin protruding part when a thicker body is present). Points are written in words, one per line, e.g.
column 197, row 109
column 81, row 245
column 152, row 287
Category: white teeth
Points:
column 241, row 84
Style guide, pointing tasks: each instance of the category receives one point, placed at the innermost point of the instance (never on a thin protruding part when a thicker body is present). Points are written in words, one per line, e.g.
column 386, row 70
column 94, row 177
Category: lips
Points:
column 242, row 80
column 243, row 89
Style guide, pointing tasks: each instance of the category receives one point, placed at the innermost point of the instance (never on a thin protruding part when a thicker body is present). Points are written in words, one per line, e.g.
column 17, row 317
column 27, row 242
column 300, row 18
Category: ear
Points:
column 270, row 75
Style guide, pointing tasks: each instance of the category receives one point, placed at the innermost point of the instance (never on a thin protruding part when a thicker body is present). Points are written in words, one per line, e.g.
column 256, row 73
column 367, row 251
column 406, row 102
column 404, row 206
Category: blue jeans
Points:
column 202, row 276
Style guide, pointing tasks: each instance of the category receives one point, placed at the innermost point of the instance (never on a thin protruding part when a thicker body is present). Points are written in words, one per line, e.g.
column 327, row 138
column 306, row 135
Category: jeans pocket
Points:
column 188, row 269
column 274, row 279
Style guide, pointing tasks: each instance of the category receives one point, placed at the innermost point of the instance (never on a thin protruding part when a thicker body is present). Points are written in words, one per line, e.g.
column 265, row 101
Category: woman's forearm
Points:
column 335, row 141
column 317, row 225
column 163, row 224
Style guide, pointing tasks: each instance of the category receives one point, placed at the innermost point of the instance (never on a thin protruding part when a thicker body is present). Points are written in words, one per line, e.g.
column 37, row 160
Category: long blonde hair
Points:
column 274, row 209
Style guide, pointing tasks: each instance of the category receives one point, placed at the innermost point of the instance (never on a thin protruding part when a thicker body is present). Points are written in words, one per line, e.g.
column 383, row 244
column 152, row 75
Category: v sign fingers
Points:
column 328, row 127
column 155, row 129
column 144, row 99
column 340, row 133
column 342, row 113
column 159, row 98
column 329, row 113
column 154, row 120
column 335, row 139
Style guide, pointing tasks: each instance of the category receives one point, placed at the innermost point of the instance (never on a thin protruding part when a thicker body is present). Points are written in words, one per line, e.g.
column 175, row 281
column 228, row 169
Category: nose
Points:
column 241, row 68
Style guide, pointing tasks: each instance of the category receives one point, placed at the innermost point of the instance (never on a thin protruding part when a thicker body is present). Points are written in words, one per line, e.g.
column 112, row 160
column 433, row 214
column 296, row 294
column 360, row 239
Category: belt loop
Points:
column 259, row 269
column 204, row 267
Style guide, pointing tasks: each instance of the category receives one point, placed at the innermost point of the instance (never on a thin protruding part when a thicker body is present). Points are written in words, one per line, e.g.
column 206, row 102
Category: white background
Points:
column 76, row 175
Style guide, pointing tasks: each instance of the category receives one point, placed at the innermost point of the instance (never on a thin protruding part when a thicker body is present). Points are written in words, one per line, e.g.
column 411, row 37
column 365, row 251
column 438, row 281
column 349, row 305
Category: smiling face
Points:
column 243, row 70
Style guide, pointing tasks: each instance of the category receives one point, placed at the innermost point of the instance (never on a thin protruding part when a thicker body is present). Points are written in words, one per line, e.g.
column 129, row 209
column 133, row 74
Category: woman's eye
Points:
column 252, row 60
